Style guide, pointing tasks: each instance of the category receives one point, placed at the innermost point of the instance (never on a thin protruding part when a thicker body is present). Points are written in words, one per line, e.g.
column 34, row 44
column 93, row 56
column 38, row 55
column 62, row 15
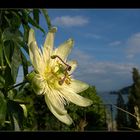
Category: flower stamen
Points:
column 68, row 68
column 64, row 78
column 56, row 56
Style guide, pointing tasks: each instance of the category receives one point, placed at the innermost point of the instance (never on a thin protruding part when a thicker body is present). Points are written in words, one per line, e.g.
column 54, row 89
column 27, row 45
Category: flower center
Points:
column 59, row 72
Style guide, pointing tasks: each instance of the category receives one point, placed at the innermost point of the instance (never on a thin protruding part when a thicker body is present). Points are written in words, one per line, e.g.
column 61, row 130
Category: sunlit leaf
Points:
column 12, row 93
column 16, row 125
column 24, row 109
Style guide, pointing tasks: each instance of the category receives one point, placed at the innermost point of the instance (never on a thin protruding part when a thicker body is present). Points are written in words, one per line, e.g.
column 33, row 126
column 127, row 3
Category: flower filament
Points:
column 66, row 77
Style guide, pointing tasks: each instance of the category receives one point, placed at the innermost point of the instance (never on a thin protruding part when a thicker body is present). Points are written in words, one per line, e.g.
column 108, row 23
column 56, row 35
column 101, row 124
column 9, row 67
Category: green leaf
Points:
column 24, row 64
column 8, row 77
column 24, row 109
column 15, row 17
column 24, row 16
column 12, row 93
column 47, row 18
column 31, row 21
column 26, row 32
column 10, row 38
column 8, row 51
column 2, row 82
column 1, row 55
column 16, row 61
column 8, row 20
column 10, row 34
column 30, row 76
column 16, row 111
column 28, row 20
column 3, row 108
column 36, row 15
column 16, row 125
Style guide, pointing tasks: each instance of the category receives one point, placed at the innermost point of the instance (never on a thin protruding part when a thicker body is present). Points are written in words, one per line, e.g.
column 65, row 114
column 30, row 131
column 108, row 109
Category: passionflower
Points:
column 52, row 75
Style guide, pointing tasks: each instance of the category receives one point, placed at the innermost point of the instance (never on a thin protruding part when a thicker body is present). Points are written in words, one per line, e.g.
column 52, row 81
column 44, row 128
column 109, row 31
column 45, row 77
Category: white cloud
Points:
column 115, row 43
column 94, row 36
column 133, row 44
column 70, row 21
column 105, row 75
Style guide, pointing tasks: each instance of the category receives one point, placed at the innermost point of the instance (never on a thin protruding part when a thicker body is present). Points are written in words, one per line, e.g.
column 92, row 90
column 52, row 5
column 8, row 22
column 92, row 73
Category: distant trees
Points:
column 121, row 117
column 134, row 97
column 128, row 120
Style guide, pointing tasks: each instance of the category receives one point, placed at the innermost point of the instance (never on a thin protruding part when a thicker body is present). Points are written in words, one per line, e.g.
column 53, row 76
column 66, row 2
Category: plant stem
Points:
column 124, row 111
column 17, row 85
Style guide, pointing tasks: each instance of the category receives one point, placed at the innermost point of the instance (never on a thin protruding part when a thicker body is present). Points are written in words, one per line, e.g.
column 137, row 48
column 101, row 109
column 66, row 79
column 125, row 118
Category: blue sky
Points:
column 107, row 43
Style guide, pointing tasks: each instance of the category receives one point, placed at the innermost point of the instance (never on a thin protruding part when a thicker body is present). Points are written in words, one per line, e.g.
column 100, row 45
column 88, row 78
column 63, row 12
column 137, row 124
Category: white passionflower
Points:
column 52, row 76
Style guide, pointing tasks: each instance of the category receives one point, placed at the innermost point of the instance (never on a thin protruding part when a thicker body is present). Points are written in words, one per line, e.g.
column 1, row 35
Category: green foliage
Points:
column 2, row 82
column 121, row 117
column 85, row 119
column 47, row 18
column 94, row 115
column 134, row 97
column 15, row 63
column 15, row 112
column 26, row 96
column 3, row 108
column 12, row 44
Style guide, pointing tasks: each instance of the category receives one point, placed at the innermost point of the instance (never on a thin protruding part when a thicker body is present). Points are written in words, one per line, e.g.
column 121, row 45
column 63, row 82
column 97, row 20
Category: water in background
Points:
column 111, row 98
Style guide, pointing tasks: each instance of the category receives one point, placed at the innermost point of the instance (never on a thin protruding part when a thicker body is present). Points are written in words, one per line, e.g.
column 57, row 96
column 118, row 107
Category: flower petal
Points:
column 77, row 86
column 36, row 57
column 63, row 118
column 31, row 37
column 49, row 42
column 45, row 55
column 56, row 101
column 73, row 97
column 38, row 84
column 73, row 65
column 64, row 49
